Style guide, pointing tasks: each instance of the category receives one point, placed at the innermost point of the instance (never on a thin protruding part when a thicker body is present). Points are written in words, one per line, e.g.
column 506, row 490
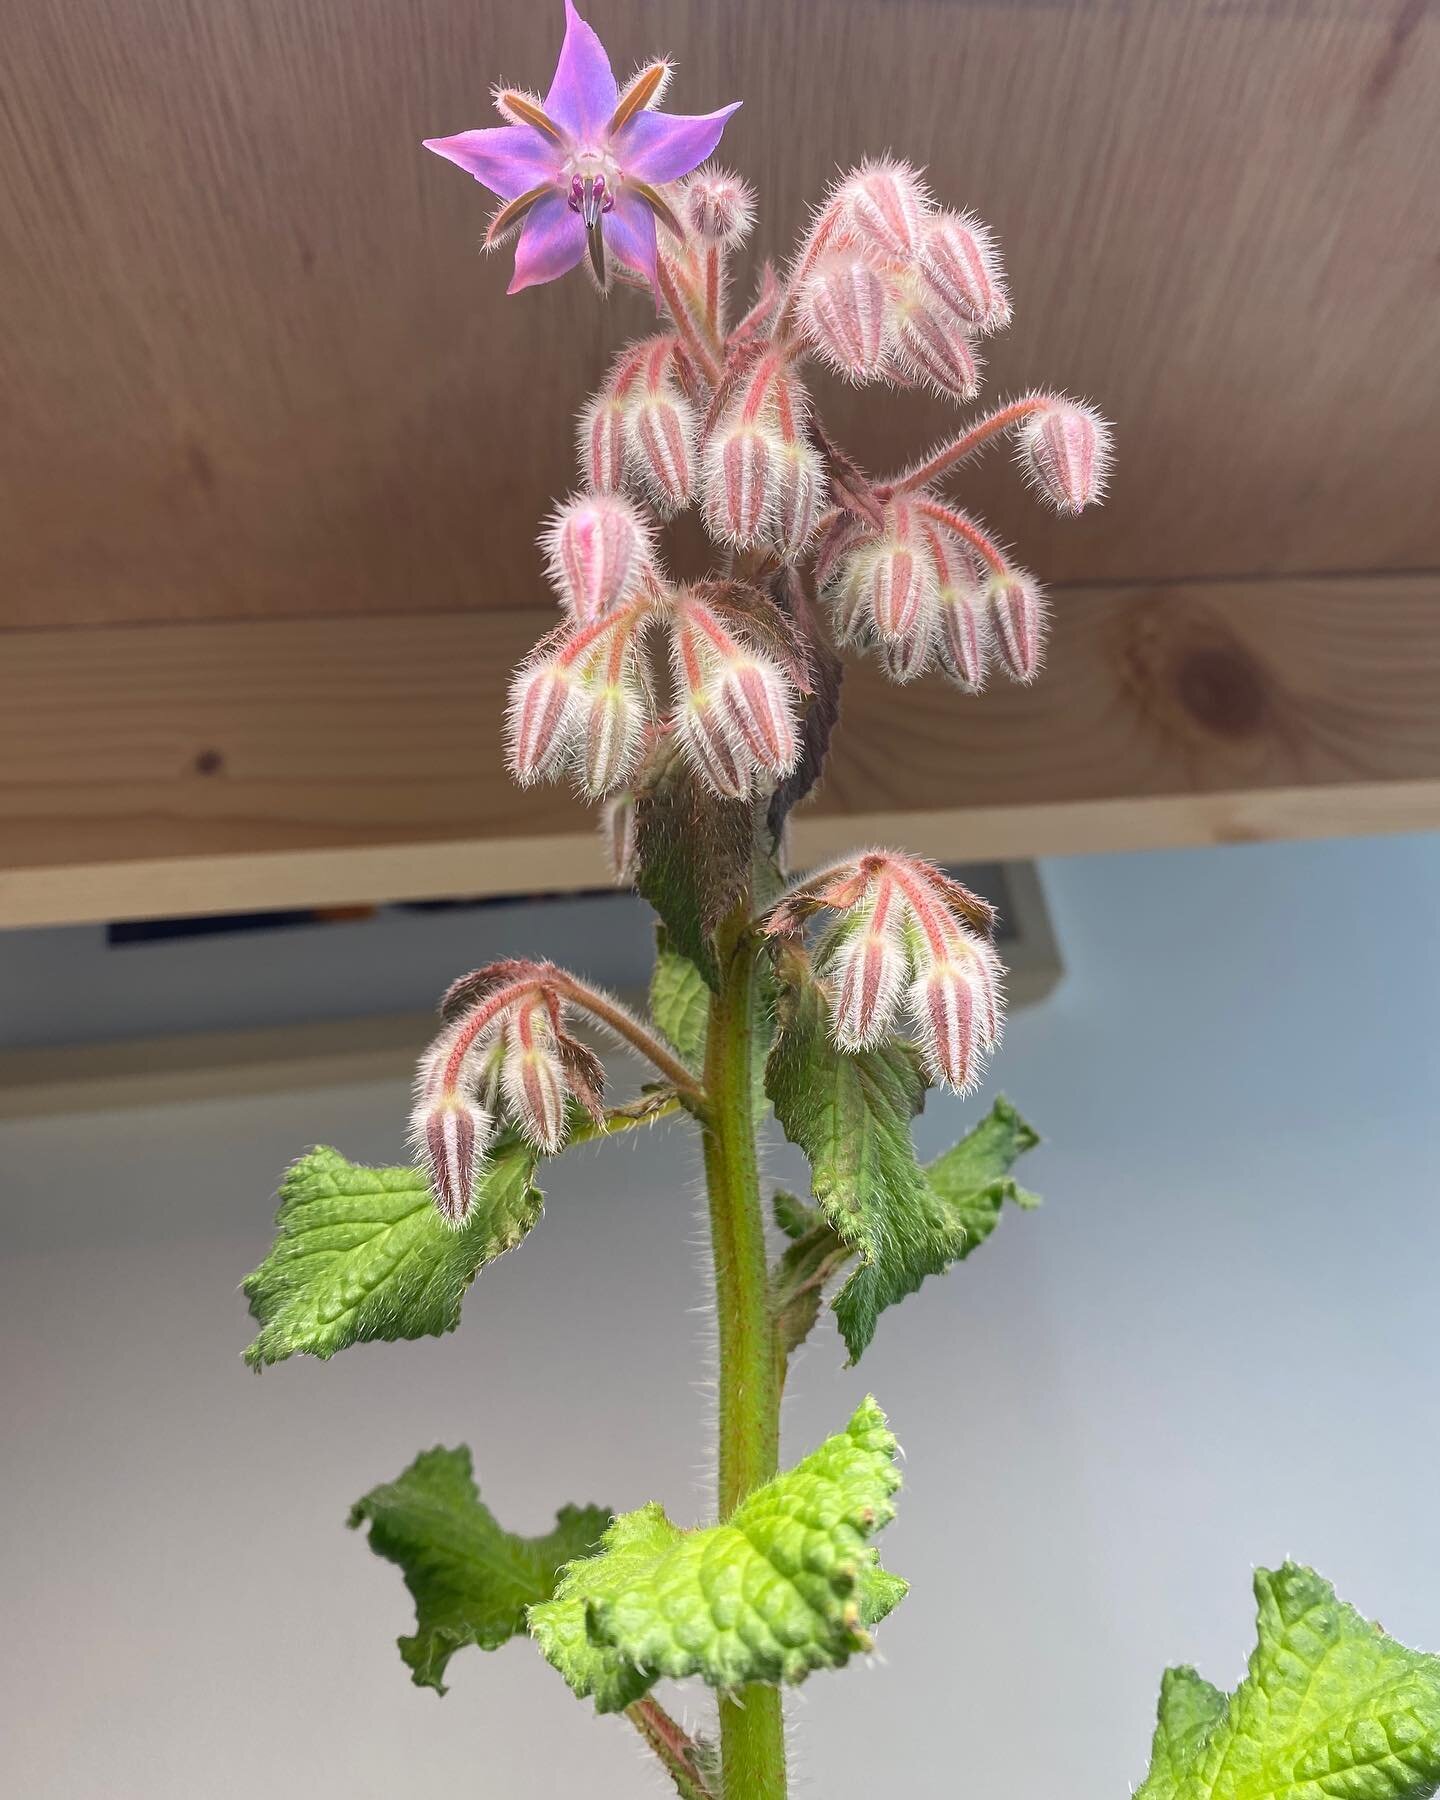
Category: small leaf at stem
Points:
column 471, row 1581
column 679, row 1000
column 1331, row 1706
column 692, row 854
column 786, row 1586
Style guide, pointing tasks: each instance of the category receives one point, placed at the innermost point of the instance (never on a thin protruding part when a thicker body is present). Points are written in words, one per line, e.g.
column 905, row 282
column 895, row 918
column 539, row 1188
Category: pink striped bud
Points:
column 959, row 259
column 961, row 634
column 612, row 720
column 865, row 975
column 932, row 345
column 799, row 496
column 661, row 447
column 887, row 205
column 893, row 580
column 705, row 737
column 760, row 705
column 906, row 659
column 844, row 309
column 1065, row 452
column 595, row 545
column 450, row 1136
column 533, row 1078
column 961, row 638
column 601, row 440
column 539, row 719
column 741, row 464
column 1017, row 621
column 450, row 1127
column 719, row 207
column 956, row 1006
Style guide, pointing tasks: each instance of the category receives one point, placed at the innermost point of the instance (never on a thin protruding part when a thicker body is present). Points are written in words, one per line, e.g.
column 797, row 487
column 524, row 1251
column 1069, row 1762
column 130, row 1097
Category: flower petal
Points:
column 583, row 93
column 630, row 237
column 664, row 146
column 551, row 244
column 508, row 159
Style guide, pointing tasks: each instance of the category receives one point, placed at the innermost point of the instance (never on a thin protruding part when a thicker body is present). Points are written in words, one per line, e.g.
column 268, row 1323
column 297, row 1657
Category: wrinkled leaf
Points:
column 361, row 1253
column 785, row 1587
column 471, row 1581
column 1331, row 1709
column 851, row 1115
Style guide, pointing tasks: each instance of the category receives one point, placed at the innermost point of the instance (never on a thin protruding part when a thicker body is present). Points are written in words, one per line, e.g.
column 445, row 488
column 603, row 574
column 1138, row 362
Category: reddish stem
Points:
column 968, row 442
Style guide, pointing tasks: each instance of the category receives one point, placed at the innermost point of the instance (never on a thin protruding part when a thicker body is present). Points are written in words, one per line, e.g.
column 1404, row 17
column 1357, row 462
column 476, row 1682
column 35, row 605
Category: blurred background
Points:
column 273, row 451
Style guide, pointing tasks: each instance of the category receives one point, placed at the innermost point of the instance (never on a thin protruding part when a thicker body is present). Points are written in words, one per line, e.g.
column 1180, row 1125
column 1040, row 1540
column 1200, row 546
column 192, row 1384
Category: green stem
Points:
column 752, row 1735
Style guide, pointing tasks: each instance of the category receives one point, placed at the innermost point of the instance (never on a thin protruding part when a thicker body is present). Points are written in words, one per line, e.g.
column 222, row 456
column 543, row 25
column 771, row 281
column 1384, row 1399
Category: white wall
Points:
column 1215, row 1345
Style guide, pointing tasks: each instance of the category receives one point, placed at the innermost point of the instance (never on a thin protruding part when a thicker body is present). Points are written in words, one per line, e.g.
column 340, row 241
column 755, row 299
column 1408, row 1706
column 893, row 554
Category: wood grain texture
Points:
column 252, row 368
column 178, row 768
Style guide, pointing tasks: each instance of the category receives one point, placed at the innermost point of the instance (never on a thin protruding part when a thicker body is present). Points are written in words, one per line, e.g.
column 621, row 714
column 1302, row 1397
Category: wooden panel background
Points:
column 266, row 420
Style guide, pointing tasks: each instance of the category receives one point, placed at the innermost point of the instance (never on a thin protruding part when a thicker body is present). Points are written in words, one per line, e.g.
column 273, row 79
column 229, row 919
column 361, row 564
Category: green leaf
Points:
column 1331, row 1709
column 471, row 1581
column 362, row 1253
column 1189, row 1711
column 793, row 1216
column 679, row 1001
column 786, row 1586
column 851, row 1116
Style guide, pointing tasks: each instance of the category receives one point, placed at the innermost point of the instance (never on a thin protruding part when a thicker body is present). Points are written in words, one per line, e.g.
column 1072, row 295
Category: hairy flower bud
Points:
column 887, row 583
column 959, row 259
column 1065, row 452
column 741, row 463
column 611, row 727
column 1017, row 618
column 760, row 705
column 933, row 345
column 719, row 207
column 450, row 1127
column 660, row 442
column 906, row 659
column 955, row 1005
column 961, row 633
column 538, row 719
column 961, row 638
column 533, row 1078
column 595, row 546
column 844, row 309
column 601, row 439
column 705, row 736
column 886, row 204
column 799, row 496
column 450, row 1136
column 865, row 969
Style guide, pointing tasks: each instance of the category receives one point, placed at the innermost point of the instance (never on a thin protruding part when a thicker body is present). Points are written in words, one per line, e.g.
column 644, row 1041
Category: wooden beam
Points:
column 174, row 769
column 252, row 366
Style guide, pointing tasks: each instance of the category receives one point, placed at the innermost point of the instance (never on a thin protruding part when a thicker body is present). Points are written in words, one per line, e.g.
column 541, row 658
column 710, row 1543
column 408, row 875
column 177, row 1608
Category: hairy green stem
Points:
column 752, row 1737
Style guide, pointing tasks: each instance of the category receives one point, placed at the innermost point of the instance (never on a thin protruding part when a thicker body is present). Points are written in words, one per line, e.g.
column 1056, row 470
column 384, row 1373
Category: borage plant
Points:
column 702, row 713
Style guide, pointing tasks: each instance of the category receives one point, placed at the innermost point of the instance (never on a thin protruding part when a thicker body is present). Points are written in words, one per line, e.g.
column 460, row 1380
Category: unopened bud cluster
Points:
column 505, row 1056
column 714, row 413
column 906, row 940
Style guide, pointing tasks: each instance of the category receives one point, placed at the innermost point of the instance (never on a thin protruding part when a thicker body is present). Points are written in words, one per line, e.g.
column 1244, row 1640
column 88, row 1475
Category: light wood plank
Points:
column 251, row 365
column 197, row 768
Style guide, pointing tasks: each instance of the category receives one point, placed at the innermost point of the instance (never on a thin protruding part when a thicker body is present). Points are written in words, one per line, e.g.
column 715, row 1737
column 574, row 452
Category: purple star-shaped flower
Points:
column 583, row 167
